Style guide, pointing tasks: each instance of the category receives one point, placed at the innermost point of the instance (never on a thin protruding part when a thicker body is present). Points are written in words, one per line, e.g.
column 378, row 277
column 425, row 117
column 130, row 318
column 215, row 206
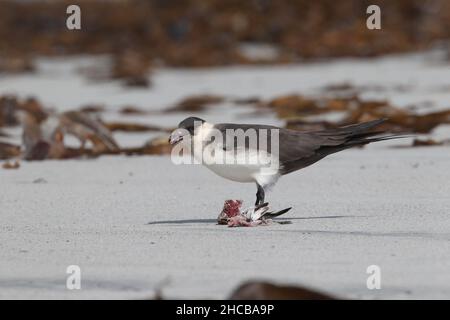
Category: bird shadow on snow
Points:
column 214, row 221
column 183, row 221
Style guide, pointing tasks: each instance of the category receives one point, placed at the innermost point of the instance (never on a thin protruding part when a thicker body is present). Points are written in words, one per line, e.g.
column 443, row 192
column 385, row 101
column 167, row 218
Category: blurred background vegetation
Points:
column 212, row 32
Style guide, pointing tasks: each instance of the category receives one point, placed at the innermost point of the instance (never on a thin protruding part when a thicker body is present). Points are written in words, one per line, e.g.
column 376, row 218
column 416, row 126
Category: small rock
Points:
column 40, row 180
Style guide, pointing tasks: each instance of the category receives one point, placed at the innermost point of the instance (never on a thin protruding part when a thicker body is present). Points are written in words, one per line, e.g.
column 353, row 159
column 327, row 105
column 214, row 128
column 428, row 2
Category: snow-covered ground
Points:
column 131, row 223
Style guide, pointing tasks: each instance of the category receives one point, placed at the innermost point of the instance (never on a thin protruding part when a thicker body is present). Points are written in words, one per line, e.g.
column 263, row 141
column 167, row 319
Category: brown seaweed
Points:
column 196, row 103
column 261, row 290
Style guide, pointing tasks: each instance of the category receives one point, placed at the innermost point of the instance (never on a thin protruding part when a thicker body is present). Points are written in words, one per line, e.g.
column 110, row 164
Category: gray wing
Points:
column 297, row 149
column 230, row 132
